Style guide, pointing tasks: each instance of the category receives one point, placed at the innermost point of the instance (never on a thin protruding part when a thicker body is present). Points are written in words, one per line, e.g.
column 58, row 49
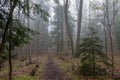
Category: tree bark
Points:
column 10, row 60
column 7, row 27
column 10, row 63
column 110, row 34
column 28, row 24
column 105, row 36
column 67, row 26
column 79, row 25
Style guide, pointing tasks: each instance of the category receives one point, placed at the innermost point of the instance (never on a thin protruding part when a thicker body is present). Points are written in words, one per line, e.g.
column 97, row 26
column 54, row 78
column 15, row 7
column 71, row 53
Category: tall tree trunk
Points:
column 10, row 60
column 105, row 32
column 93, row 60
column 37, row 53
column 110, row 34
column 28, row 24
column 7, row 27
column 29, row 49
column 67, row 26
column 79, row 25
column 10, row 63
column 111, row 38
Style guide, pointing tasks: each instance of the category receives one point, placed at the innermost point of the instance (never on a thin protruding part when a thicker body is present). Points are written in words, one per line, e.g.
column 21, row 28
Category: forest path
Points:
column 52, row 71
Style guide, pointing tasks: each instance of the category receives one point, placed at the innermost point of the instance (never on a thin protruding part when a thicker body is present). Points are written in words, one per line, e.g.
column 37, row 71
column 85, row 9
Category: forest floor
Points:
column 49, row 68
column 22, row 70
column 70, row 66
column 52, row 71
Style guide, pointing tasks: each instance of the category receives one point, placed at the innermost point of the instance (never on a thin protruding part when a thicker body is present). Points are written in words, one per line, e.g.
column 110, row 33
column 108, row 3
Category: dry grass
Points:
column 117, row 64
column 21, row 71
column 67, row 64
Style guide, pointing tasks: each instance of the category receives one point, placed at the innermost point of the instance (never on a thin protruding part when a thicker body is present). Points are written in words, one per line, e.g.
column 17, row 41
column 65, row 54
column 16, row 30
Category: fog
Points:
column 84, row 34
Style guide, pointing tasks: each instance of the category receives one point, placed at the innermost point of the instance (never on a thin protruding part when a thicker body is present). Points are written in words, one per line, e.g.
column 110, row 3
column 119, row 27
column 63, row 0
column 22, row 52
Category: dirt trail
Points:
column 52, row 71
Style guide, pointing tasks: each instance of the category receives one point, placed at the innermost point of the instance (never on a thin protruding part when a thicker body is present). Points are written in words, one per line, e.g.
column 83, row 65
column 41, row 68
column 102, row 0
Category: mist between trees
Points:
column 83, row 33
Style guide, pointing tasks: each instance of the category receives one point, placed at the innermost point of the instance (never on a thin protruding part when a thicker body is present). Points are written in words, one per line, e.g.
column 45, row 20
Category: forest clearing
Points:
column 59, row 40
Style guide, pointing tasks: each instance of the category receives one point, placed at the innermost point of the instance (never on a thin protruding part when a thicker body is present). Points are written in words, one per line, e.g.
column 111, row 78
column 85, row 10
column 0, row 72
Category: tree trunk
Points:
column 10, row 63
column 28, row 24
column 79, row 25
column 105, row 36
column 67, row 26
column 110, row 34
column 7, row 27
column 10, row 60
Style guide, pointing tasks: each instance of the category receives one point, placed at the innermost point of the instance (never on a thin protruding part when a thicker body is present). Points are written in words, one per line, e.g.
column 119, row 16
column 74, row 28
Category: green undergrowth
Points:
column 22, row 71
column 26, row 77
column 66, row 66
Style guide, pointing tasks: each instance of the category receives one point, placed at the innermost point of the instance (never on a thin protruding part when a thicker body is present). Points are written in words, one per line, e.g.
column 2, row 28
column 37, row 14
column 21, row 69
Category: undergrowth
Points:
column 66, row 66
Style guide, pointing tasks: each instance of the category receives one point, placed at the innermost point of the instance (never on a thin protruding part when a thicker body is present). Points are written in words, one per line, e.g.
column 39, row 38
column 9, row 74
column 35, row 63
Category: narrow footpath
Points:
column 52, row 71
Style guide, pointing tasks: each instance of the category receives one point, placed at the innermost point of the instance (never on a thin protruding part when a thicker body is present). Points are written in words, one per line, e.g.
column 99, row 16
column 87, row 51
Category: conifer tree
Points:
column 94, row 61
